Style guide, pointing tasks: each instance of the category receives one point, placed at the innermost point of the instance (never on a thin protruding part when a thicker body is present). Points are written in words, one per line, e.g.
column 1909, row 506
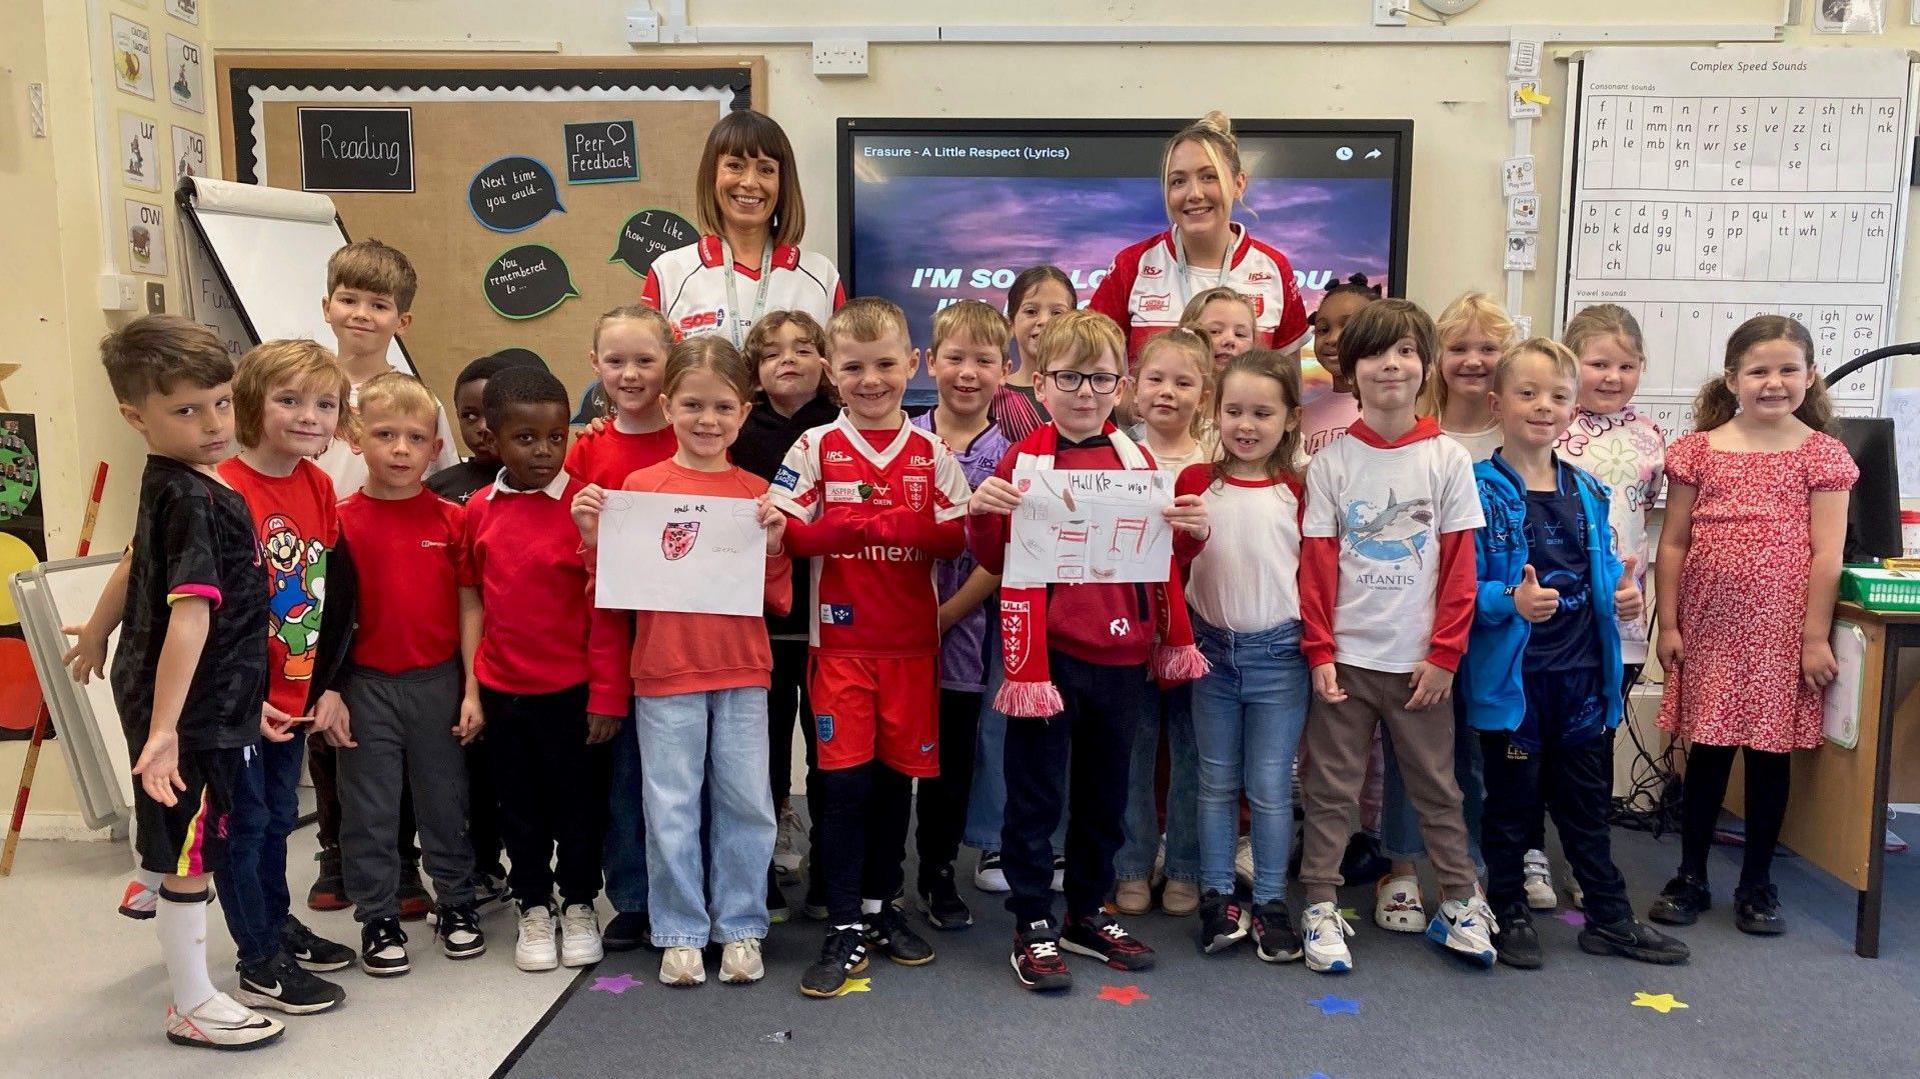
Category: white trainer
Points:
column 1465, row 926
column 579, row 936
column 789, row 842
column 1324, row 933
column 682, row 967
column 1538, row 882
column 740, row 962
column 222, row 1023
column 534, row 950
column 988, row 876
column 1397, row 906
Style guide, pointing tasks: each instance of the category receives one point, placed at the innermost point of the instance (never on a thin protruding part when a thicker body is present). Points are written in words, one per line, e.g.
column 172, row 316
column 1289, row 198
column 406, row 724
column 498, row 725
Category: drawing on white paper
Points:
column 671, row 552
column 1099, row 526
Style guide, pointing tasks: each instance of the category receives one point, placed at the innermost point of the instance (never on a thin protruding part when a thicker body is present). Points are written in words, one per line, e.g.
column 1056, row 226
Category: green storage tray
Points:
column 1881, row 590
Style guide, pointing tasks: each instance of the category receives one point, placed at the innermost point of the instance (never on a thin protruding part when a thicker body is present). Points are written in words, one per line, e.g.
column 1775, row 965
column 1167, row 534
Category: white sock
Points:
column 148, row 879
column 182, row 927
column 871, row 906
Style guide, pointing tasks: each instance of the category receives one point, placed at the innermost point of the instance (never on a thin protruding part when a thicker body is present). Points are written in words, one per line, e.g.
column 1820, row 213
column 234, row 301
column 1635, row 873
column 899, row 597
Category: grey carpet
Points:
column 1800, row 1005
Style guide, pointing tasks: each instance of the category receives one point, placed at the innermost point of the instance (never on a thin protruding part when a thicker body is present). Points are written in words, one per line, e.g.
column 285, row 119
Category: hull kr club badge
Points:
column 676, row 540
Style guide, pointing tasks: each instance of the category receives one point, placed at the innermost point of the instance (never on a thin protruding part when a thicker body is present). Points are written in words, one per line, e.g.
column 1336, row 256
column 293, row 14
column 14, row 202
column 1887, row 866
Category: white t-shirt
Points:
column 1388, row 505
column 348, row 469
column 1479, row 444
column 1203, row 449
column 1247, row 578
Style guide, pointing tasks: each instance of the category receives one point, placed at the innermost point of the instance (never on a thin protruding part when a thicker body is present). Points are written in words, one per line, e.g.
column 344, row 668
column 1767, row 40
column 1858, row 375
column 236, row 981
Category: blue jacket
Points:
column 1490, row 672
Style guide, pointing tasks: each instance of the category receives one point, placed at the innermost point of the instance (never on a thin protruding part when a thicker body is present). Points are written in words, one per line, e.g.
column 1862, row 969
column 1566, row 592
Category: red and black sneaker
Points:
column 1099, row 936
column 1036, row 958
column 1223, row 922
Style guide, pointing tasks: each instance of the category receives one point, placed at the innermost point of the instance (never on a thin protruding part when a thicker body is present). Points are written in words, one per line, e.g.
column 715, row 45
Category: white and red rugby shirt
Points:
column 689, row 286
column 1140, row 291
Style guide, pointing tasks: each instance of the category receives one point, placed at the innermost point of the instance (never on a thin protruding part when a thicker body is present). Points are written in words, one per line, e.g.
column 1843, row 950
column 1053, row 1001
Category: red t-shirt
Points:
column 407, row 555
column 523, row 554
column 608, row 457
column 294, row 518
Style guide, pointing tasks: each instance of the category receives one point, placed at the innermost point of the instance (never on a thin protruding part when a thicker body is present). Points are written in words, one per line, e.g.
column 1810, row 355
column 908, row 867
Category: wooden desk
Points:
column 1838, row 815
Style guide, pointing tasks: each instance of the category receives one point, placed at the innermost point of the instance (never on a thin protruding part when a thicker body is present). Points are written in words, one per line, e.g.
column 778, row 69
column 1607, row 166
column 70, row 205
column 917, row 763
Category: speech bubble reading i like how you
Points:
column 649, row 234
column 528, row 281
column 512, row 194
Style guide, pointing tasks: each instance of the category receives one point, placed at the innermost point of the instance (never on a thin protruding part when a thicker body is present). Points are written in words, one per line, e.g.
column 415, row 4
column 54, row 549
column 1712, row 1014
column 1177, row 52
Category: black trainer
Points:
column 383, row 948
column 1682, row 901
column 1036, row 958
column 940, row 899
column 1099, row 936
column 281, row 984
column 458, row 931
column 1635, row 940
column 490, row 886
column 1362, row 860
column 1515, row 940
column 628, row 930
column 889, row 934
column 1223, row 922
column 1756, row 910
column 777, row 909
column 329, row 891
column 311, row 950
column 1274, row 938
column 843, row 955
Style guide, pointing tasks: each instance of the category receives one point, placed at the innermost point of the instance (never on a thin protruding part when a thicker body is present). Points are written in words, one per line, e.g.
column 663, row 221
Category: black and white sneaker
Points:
column 281, row 984
column 1223, row 922
column 1036, row 958
column 490, row 886
column 1274, row 939
column 1099, row 936
column 843, row 955
column 311, row 950
column 458, row 931
column 383, row 948
column 889, row 934
column 940, row 899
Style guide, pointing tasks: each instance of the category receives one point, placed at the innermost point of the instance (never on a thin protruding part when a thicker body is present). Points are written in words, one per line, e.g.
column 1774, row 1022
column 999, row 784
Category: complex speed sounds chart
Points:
column 1711, row 185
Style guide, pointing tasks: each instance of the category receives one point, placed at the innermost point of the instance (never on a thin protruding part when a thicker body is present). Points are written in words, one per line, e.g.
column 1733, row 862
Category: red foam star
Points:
column 1123, row 995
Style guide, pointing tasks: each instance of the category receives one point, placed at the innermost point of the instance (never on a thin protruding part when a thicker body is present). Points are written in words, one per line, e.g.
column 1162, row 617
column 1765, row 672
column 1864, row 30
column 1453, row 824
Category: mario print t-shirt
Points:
column 296, row 522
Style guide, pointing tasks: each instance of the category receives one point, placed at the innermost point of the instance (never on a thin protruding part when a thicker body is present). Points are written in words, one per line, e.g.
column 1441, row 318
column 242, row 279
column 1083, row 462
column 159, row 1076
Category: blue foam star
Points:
column 1332, row 1005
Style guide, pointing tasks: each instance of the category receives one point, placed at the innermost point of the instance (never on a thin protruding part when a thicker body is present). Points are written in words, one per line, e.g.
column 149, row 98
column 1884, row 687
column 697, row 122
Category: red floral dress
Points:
column 1743, row 593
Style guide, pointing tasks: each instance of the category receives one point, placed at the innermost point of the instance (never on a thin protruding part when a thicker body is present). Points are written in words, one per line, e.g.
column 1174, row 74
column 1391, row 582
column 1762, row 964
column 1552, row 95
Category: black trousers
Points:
column 941, row 804
column 324, row 768
column 1768, row 781
column 1093, row 738
column 1629, row 677
column 862, row 827
column 552, row 787
column 1571, row 780
column 483, row 809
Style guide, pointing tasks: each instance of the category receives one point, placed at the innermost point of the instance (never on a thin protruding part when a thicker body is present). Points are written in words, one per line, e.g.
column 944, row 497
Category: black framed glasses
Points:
column 1103, row 382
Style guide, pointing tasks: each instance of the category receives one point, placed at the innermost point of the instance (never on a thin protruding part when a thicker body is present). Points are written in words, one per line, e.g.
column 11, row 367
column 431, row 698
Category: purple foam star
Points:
column 616, row 986
column 1572, row 917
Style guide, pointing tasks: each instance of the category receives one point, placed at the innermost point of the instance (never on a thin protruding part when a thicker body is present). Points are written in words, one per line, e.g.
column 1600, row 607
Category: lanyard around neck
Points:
column 736, row 330
column 1180, row 266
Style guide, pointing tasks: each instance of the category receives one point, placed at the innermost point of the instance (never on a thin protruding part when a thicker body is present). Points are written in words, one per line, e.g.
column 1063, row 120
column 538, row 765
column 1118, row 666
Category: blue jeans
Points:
column 712, row 744
column 987, row 801
column 624, row 854
column 1248, row 712
column 1400, row 822
column 253, row 886
column 1173, row 709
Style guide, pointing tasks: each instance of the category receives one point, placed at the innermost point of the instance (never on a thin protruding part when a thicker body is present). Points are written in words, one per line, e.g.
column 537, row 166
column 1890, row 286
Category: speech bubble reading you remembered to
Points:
column 649, row 234
column 512, row 194
column 527, row 281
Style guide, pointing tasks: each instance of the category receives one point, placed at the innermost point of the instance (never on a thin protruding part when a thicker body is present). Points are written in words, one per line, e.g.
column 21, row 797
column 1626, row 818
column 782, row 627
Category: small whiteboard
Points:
column 1840, row 707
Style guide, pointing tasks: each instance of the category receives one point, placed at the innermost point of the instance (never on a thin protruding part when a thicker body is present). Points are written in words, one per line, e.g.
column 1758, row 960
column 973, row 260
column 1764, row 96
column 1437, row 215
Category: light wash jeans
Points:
column 1248, row 712
column 716, row 742
column 987, row 801
column 1400, row 822
column 1172, row 708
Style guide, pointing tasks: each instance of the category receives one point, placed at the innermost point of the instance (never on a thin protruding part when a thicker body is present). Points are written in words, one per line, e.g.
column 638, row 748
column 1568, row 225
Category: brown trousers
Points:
column 1338, row 740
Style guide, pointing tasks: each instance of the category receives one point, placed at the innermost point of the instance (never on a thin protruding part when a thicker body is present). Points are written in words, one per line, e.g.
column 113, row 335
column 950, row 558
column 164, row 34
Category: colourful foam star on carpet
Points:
column 1659, row 1002
column 616, row 986
column 1350, row 914
column 856, row 985
column 1124, row 995
column 1572, row 917
column 1332, row 1005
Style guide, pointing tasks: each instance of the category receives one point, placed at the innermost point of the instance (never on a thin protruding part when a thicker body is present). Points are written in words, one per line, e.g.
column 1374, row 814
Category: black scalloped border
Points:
column 242, row 81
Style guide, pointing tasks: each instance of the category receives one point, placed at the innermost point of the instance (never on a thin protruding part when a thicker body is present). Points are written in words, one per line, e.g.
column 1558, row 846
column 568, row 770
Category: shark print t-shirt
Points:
column 1388, row 505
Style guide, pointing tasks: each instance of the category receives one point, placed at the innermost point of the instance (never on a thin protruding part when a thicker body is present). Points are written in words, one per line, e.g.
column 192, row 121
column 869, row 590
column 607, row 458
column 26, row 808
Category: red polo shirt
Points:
column 523, row 553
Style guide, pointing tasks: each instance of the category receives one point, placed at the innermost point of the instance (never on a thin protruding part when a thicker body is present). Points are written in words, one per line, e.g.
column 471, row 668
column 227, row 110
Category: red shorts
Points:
column 877, row 708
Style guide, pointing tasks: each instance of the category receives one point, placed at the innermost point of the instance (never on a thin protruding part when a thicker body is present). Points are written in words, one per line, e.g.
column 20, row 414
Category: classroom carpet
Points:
column 1798, row 1005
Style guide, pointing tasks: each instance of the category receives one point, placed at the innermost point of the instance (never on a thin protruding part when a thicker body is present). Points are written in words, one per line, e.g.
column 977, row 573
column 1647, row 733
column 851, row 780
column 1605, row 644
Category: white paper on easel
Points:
column 1090, row 526
column 667, row 552
column 1840, row 707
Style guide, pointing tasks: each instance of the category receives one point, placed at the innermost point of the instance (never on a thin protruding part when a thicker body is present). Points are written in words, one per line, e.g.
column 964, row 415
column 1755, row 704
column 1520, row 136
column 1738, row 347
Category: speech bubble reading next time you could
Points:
column 528, row 281
column 512, row 194
column 649, row 234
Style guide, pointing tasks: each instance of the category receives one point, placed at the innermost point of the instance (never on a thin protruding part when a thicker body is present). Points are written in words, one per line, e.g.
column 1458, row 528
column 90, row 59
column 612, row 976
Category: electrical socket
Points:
column 1390, row 12
column 840, row 57
column 119, row 292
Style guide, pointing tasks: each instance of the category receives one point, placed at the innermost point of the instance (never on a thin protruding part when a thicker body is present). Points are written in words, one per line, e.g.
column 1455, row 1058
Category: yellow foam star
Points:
column 1659, row 1002
column 864, row 985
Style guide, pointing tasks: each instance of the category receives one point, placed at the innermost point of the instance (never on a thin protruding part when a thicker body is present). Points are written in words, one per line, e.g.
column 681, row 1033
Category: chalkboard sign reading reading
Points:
column 528, row 281
column 356, row 149
column 649, row 234
column 512, row 194
column 601, row 152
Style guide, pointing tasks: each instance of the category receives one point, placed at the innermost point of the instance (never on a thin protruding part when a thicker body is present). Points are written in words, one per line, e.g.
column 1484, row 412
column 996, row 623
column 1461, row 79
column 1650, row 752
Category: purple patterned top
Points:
column 963, row 665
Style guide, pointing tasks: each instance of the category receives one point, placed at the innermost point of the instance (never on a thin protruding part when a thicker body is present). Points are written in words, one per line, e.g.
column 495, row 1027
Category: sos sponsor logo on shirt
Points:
column 700, row 322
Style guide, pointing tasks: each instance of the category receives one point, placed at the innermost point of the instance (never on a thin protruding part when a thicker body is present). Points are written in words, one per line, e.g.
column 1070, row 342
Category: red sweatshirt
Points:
column 523, row 554
column 609, row 457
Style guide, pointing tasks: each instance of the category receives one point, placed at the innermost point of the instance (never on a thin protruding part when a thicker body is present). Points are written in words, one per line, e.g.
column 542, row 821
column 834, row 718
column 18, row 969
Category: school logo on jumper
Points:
column 916, row 492
column 676, row 540
column 1394, row 533
column 1013, row 630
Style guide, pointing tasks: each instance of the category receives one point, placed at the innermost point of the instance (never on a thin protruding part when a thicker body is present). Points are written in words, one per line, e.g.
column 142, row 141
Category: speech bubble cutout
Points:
column 512, row 194
column 649, row 234
column 527, row 281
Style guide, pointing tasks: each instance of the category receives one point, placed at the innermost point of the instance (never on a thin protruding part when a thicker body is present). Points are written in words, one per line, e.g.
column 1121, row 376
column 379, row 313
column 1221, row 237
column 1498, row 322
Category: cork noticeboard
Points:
column 509, row 182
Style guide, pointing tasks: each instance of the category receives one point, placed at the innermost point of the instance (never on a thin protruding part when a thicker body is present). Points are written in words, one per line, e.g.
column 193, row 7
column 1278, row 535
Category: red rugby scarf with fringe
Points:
column 1029, row 690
